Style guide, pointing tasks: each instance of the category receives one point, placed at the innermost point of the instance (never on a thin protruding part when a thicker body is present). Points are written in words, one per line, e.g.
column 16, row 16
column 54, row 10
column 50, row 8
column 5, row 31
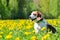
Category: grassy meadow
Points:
column 23, row 30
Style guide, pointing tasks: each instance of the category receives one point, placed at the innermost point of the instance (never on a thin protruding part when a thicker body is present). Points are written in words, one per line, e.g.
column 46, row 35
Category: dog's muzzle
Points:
column 32, row 17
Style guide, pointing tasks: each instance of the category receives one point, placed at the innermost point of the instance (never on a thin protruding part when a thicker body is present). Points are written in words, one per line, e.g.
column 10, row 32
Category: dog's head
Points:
column 34, row 15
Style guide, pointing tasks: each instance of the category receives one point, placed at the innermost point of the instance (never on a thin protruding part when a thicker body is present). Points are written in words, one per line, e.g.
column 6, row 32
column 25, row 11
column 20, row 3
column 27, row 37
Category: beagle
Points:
column 40, row 22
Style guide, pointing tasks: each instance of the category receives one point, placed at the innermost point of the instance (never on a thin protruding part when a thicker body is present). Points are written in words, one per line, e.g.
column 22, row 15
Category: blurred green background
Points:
column 21, row 9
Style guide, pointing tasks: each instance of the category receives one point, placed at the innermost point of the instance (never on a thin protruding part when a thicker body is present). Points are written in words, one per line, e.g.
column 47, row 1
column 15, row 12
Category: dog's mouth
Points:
column 33, row 19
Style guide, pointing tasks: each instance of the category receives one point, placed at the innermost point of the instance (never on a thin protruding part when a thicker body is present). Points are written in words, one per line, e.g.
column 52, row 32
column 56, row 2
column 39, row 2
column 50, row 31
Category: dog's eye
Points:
column 34, row 14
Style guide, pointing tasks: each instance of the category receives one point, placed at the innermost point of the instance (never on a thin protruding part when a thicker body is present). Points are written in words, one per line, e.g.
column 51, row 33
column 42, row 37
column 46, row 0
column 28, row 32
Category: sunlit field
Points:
column 23, row 30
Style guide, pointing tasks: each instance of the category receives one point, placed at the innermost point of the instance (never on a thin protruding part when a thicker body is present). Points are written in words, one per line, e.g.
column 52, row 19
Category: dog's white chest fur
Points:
column 38, row 26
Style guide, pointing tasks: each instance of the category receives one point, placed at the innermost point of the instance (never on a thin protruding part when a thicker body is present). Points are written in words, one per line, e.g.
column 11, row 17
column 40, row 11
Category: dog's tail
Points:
column 51, row 28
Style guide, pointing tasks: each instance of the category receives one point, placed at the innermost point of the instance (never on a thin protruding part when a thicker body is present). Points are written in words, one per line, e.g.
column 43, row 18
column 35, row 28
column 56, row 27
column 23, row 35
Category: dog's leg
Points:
column 51, row 28
column 36, row 28
column 36, row 31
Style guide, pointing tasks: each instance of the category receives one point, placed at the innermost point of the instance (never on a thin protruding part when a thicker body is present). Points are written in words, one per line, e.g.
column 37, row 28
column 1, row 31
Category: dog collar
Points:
column 39, row 20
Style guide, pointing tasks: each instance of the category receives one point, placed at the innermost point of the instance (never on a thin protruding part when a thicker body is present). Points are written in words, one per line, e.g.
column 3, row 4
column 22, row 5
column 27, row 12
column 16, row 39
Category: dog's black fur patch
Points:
column 51, row 28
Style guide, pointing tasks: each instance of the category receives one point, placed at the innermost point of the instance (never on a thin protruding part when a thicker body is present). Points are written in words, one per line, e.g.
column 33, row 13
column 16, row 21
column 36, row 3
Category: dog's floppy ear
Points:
column 39, row 14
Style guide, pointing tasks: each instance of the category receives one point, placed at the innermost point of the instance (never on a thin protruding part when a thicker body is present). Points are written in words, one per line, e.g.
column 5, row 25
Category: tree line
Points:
column 21, row 9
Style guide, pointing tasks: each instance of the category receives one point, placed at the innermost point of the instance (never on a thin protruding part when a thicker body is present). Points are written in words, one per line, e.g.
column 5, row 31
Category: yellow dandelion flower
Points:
column 27, row 33
column 19, row 24
column 0, row 36
column 43, row 28
column 8, row 36
column 4, row 25
column 33, row 38
column 28, row 27
column 17, row 38
column 45, row 36
column 54, row 22
column 49, row 21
